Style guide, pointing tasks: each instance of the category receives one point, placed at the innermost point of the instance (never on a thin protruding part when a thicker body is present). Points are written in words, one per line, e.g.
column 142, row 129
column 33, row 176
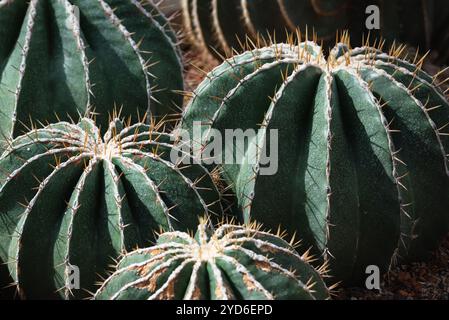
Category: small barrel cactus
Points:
column 63, row 58
column 71, row 198
column 362, row 143
column 233, row 262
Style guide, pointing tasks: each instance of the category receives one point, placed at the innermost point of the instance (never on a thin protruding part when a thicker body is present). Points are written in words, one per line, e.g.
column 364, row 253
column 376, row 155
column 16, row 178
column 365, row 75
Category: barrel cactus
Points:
column 71, row 198
column 63, row 58
column 232, row 262
column 362, row 143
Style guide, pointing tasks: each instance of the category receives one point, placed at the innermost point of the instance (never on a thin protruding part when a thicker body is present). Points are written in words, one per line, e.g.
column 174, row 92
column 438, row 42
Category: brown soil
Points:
column 417, row 281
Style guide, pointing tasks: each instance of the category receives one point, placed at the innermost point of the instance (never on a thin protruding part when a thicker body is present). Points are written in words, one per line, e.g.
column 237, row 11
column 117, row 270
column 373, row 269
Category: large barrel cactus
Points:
column 218, row 24
column 63, row 58
column 362, row 143
column 234, row 262
column 69, row 197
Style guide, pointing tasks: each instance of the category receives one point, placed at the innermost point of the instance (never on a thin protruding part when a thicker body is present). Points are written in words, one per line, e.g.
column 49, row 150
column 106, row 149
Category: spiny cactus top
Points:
column 362, row 148
column 62, row 58
column 233, row 262
column 69, row 197
column 218, row 23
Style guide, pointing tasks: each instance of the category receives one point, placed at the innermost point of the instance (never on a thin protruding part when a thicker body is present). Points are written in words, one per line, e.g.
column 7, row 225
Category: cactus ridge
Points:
column 232, row 262
column 60, row 59
column 363, row 138
column 70, row 197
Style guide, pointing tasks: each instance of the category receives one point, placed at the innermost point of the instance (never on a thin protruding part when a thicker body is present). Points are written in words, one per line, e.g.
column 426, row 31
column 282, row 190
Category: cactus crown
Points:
column 88, row 199
column 232, row 262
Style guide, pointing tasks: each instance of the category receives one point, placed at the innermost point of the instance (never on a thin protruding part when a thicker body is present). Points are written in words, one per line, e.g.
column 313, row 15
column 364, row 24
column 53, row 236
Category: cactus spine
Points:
column 69, row 197
column 234, row 262
column 363, row 144
column 63, row 58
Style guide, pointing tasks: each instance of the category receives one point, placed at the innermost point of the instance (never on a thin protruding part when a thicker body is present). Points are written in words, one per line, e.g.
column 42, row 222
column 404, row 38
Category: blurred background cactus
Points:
column 218, row 26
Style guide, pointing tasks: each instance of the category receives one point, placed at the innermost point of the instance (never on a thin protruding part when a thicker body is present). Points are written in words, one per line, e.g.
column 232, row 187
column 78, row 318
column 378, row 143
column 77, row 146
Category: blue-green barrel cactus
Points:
column 70, row 198
column 358, row 141
column 63, row 58
column 232, row 262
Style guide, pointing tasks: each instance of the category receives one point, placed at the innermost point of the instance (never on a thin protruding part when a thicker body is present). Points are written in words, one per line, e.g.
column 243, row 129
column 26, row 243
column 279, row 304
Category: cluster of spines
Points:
column 147, row 273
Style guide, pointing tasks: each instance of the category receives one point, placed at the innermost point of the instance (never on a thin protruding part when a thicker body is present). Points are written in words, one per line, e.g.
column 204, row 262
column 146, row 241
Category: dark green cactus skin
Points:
column 419, row 23
column 231, row 263
column 363, row 144
column 56, row 66
column 69, row 197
